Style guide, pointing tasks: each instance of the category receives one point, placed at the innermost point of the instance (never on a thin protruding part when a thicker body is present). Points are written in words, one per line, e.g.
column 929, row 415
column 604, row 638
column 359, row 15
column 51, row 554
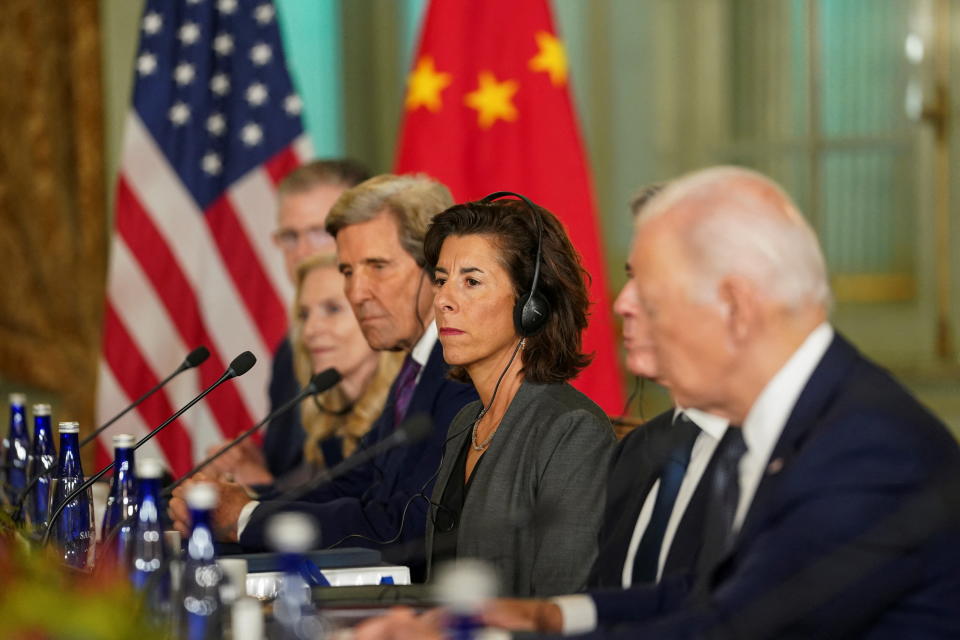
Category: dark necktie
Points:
column 406, row 382
column 724, row 496
column 671, row 476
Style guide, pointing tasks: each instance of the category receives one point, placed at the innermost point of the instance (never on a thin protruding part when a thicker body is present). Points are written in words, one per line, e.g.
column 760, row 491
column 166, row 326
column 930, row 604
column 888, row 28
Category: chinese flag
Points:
column 488, row 109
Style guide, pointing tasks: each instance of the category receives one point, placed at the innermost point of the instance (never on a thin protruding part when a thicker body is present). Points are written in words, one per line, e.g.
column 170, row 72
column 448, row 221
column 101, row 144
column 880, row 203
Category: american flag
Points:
column 215, row 124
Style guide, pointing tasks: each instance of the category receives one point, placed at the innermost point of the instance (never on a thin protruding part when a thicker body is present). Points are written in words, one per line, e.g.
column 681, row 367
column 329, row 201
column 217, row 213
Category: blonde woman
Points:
column 325, row 334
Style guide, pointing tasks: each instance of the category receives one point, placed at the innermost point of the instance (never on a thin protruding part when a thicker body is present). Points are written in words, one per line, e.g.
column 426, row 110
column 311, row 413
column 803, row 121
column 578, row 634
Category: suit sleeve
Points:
column 860, row 525
column 370, row 503
column 851, row 542
column 284, row 438
column 596, row 576
column 634, row 466
column 356, row 481
column 570, row 501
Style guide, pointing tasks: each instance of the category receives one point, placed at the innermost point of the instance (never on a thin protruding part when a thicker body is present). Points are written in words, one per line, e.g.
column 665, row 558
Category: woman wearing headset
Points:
column 522, row 478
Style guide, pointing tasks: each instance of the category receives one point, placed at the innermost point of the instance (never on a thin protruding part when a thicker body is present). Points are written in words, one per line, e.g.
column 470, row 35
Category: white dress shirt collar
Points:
column 713, row 425
column 770, row 411
column 424, row 347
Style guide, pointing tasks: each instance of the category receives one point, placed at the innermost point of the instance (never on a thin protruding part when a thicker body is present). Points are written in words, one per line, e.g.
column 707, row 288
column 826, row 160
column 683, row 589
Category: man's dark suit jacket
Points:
column 283, row 441
column 373, row 499
column 635, row 466
column 853, row 531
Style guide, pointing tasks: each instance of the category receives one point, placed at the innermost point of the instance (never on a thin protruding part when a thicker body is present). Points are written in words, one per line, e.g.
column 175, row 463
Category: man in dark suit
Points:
column 806, row 532
column 654, row 471
column 379, row 227
column 634, row 469
column 653, row 474
column 830, row 506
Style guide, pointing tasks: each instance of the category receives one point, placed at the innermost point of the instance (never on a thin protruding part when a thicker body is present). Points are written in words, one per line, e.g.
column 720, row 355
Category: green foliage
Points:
column 7, row 525
column 40, row 599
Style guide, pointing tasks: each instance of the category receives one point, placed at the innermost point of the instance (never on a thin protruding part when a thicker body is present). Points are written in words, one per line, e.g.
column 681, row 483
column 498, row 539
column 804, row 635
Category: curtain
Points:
column 54, row 236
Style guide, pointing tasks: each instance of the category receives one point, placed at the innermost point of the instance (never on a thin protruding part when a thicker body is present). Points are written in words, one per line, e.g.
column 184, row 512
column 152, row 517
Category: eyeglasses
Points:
column 289, row 239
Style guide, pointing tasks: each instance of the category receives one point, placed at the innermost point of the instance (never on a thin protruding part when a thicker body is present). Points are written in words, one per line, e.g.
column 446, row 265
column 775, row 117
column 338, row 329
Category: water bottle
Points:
column 201, row 611
column 17, row 448
column 464, row 587
column 73, row 531
column 149, row 564
column 293, row 534
column 246, row 617
column 43, row 463
column 117, row 529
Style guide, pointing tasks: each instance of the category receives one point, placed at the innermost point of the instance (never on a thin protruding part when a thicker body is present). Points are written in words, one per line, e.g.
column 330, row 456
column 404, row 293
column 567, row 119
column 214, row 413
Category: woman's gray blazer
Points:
column 537, row 495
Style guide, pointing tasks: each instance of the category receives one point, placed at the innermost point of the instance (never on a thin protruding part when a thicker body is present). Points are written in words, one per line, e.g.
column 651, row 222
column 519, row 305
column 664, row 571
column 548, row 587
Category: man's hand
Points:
column 400, row 623
column 524, row 615
column 231, row 498
column 244, row 463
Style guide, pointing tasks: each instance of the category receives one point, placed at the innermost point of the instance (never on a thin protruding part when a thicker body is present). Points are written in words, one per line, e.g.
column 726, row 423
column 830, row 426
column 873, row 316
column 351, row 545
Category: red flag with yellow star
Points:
column 488, row 109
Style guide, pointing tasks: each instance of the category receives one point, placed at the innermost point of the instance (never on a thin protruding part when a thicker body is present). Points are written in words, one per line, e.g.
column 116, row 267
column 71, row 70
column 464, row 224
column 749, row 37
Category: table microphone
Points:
column 318, row 384
column 240, row 365
column 413, row 429
column 195, row 358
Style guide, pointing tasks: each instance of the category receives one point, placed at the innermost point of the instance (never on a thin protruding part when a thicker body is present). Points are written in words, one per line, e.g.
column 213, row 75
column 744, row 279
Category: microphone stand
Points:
column 412, row 430
column 310, row 389
column 193, row 359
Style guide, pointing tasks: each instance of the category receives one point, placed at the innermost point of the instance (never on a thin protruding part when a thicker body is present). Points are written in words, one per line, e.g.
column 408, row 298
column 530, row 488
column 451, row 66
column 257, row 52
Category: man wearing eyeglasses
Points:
column 305, row 197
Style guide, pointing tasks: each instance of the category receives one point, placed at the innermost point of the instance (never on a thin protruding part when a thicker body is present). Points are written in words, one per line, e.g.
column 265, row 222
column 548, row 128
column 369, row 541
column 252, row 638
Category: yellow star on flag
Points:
column 425, row 84
column 493, row 100
column 550, row 58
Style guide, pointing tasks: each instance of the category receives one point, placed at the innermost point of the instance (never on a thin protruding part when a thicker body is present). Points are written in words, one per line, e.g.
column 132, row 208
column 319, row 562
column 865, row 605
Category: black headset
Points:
column 532, row 310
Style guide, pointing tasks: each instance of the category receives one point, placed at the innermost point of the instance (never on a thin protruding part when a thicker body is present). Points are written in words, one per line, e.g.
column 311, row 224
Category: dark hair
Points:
column 343, row 172
column 554, row 354
column 644, row 195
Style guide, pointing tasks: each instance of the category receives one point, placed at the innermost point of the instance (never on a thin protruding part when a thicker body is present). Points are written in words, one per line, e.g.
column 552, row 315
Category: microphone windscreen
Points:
column 196, row 357
column 324, row 380
column 417, row 427
column 242, row 363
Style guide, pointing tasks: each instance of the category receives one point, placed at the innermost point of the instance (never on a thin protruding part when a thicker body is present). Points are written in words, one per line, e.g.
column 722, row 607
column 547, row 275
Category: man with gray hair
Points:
column 379, row 227
column 830, row 506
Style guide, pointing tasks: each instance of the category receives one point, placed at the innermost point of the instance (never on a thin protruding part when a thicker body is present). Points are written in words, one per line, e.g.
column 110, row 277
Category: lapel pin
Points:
column 775, row 466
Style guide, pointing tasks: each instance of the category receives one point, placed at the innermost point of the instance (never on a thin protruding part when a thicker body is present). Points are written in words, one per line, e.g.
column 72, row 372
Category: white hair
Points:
column 739, row 222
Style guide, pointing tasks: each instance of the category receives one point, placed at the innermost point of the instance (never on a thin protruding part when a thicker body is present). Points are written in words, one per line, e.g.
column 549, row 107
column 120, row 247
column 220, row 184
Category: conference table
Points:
column 358, row 584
